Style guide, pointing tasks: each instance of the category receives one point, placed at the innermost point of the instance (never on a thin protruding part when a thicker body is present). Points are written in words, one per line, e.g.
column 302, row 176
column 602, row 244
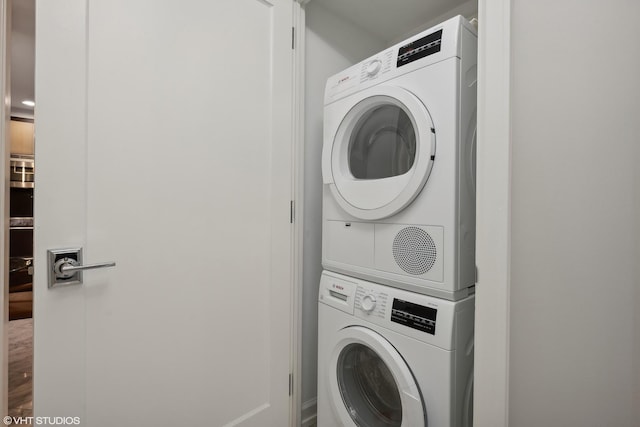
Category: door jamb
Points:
column 298, row 46
column 493, row 226
column 5, row 113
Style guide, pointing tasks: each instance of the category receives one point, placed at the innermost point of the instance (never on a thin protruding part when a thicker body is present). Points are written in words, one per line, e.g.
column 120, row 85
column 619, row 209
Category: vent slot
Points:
column 414, row 251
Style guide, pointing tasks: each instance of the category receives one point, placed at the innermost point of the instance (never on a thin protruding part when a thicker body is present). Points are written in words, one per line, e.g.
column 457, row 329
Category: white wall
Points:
column 575, row 280
column 332, row 44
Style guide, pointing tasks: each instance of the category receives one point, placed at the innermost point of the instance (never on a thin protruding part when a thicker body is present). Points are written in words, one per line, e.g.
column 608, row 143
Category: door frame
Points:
column 493, row 210
column 297, row 208
column 5, row 117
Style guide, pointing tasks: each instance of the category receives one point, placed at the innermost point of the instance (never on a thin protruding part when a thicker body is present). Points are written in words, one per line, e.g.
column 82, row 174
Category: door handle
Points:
column 65, row 266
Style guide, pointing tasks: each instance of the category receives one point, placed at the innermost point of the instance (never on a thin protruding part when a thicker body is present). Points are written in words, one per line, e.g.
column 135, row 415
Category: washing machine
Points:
column 398, row 164
column 393, row 358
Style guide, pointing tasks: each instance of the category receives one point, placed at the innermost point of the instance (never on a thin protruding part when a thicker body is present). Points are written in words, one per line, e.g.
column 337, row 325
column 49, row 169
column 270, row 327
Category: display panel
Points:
column 425, row 46
column 414, row 316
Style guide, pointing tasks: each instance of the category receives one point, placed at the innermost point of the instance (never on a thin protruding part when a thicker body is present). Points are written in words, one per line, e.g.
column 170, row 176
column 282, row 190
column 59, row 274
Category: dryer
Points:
column 393, row 358
column 398, row 164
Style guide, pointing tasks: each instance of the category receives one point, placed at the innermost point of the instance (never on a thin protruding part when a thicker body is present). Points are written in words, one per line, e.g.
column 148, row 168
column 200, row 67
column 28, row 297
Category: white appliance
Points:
column 398, row 164
column 393, row 358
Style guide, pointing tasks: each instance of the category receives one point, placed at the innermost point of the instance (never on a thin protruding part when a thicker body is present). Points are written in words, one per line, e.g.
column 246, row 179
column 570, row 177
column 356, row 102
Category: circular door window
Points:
column 383, row 144
column 372, row 385
column 382, row 153
column 368, row 389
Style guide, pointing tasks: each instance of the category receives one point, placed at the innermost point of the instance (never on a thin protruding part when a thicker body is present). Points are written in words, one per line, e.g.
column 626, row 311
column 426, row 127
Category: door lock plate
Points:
column 59, row 258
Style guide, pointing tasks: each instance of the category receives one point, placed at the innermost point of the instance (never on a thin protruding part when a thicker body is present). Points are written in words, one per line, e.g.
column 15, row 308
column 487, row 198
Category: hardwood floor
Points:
column 21, row 368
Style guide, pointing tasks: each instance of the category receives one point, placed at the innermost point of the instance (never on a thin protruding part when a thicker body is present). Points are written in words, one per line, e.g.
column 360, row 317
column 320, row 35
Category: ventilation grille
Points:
column 414, row 250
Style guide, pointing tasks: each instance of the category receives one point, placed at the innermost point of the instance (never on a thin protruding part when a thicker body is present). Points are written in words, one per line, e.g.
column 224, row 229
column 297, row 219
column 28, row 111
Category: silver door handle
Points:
column 65, row 266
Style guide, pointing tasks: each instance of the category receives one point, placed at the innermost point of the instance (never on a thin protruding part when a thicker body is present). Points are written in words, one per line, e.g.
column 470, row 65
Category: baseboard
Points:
column 309, row 411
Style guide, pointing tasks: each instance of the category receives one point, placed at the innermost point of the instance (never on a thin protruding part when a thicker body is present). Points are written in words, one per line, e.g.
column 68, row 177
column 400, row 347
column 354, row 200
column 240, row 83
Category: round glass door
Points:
column 382, row 144
column 372, row 386
column 381, row 154
column 368, row 389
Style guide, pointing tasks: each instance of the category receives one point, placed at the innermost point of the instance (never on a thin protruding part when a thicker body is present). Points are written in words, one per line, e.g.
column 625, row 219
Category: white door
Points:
column 164, row 144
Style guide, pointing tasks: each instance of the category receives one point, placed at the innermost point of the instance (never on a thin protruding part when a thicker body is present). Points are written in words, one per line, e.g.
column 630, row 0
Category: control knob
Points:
column 373, row 67
column 368, row 303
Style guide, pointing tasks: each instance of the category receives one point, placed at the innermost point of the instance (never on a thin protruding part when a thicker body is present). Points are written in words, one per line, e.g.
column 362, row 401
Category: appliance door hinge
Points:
column 292, row 212
column 290, row 384
column 293, row 37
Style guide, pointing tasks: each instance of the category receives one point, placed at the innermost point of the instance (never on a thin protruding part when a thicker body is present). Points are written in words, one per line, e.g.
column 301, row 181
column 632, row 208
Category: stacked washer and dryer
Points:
column 396, row 300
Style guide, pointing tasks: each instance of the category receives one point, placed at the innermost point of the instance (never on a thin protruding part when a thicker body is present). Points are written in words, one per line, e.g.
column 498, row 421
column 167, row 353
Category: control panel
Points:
column 414, row 315
column 372, row 302
column 431, row 46
column 422, row 317
column 375, row 67
column 417, row 49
